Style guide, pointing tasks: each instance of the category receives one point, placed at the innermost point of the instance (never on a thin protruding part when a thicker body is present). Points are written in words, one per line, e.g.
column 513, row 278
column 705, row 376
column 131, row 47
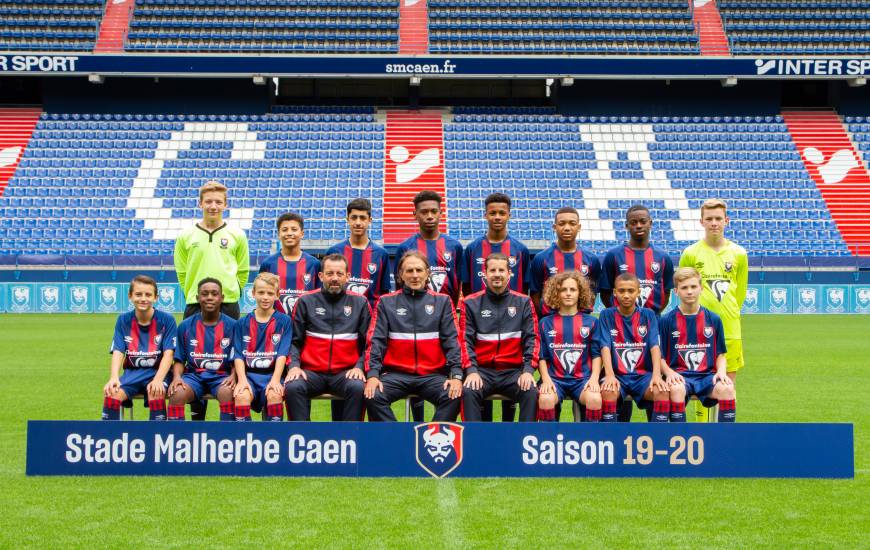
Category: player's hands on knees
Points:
column 659, row 385
column 592, row 386
column 453, row 387
column 547, row 387
column 610, row 384
column 722, row 377
column 526, row 381
column 176, row 385
column 276, row 388
column 373, row 384
column 355, row 374
column 473, row 381
column 229, row 382
column 241, row 388
column 295, row 374
column 156, row 390
column 674, row 380
column 112, row 387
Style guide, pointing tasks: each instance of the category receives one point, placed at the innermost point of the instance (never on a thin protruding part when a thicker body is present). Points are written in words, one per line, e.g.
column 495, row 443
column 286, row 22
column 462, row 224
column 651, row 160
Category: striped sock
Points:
column 661, row 411
column 678, row 411
column 243, row 413
column 546, row 415
column 175, row 412
column 275, row 412
column 111, row 408
column 727, row 410
column 157, row 409
column 593, row 415
column 608, row 411
column 228, row 411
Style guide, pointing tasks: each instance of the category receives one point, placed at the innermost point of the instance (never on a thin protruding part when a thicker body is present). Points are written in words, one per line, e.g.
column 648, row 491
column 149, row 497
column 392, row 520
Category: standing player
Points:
column 570, row 358
column 564, row 255
column 330, row 327
column 203, row 356
column 414, row 347
column 500, row 330
column 628, row 337
column 694, row 352
column 653, row 268
column 211, row 248
column 261, row 345
column 369, row 262
column 296, row 270
column 443, row 252
column 144, row 344
column 724, row 269
column 497, row 213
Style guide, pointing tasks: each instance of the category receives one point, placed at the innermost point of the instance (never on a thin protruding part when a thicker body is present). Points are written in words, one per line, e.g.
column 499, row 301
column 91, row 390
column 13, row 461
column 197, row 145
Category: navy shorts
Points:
column 258, row 384
column 634, row 385
column 204, row 382
column 135, row 381
column 700, row 384
column 570, row 387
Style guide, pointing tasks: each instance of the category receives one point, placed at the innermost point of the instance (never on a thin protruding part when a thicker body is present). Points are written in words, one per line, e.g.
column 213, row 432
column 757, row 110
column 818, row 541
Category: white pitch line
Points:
column 448, row 505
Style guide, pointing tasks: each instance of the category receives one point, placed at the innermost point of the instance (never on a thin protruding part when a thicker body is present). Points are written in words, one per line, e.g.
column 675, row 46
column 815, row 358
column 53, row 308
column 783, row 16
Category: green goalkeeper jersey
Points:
column 724, row 278
column 222, row 254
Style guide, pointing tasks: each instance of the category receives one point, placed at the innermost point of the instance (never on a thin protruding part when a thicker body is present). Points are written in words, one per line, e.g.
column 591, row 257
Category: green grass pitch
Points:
column 799, row 369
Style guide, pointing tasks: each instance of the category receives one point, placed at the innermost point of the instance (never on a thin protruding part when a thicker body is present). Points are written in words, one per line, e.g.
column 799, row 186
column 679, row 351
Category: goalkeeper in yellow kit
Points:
column 724, row 269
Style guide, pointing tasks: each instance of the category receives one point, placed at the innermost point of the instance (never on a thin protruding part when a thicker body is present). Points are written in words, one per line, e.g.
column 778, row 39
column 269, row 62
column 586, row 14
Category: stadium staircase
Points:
column 414, row 26
column 16, row 127
column 115, row 25
column 708, row 25
column 837, row 169
column 413, row 160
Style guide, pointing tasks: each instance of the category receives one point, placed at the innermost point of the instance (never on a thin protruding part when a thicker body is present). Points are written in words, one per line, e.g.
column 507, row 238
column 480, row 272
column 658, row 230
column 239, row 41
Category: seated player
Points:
column 203, row 355
column 261, row 345
column 628, row 337
column 570, row 359
column 413, row 347
column 695, row 360
column 330, row 326
column 501, row 341
column 144, row 344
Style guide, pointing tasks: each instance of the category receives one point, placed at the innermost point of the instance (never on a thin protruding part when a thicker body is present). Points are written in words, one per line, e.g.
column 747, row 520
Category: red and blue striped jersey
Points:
column 144, row 345
column 568, row 345
column 205, row 348
column 629, row 339
column 653, row 267
column 445, row 257
column 369, row 269
column 691, row 343
column 295, row 278
column 476, row 253
column 260, row 344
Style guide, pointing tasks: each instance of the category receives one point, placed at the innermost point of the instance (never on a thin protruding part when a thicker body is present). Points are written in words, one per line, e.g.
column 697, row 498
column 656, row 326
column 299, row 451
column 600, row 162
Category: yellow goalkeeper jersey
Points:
column 724, row 278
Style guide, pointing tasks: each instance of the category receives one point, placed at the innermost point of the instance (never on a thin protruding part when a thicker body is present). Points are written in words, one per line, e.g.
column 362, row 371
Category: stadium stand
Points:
column 124, row 184
column 757, row 27
column 49, row 25
column 558, row 26
column 305, row 26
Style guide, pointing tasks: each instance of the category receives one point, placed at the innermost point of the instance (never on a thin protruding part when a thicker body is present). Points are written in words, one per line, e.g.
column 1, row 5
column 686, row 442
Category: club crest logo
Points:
column 512, row 311
column 719, row 287
column 708, row 332
column 512, row 261
column 438, row 447
column 276, row 338
column 447, row 256
column 372, row 267
column 569, row 358
column 584, row 332
column 108, row 298
column 20, row 299
column 225, row 342
column 78, row 299
column 693, row 358
column 436, row 281
column 348, row 310
column 430, row 309
column 751, row 303
column 584, row 269
column 655, row 266
column 642, row 331
column 862, row 300
column 49, row 299
column 778, row 300
column 806, row 300
column 306, row 278
column 728, row 267
column 166, row 297
column 157, row 339
column 630, row 357
column 835, row 300
column 224, row 243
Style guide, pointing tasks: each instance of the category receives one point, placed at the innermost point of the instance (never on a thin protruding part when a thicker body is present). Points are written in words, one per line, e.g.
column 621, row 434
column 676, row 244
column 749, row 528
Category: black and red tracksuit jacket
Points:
column 329, row 331
column 500, row 331
column 414, row 331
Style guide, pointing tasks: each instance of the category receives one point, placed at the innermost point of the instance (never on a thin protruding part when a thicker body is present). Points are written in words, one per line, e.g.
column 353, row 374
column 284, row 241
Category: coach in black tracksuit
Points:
column 414, row 347
column 501, row 341
column 330, row 327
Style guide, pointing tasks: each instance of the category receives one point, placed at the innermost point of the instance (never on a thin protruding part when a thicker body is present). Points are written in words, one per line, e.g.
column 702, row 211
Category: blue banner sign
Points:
column 440, row 449
column 531, row 66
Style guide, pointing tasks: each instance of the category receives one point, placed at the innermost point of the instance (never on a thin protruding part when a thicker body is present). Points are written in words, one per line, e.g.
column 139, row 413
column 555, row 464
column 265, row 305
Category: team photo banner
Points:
column 463, row 66
column 439, row 449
